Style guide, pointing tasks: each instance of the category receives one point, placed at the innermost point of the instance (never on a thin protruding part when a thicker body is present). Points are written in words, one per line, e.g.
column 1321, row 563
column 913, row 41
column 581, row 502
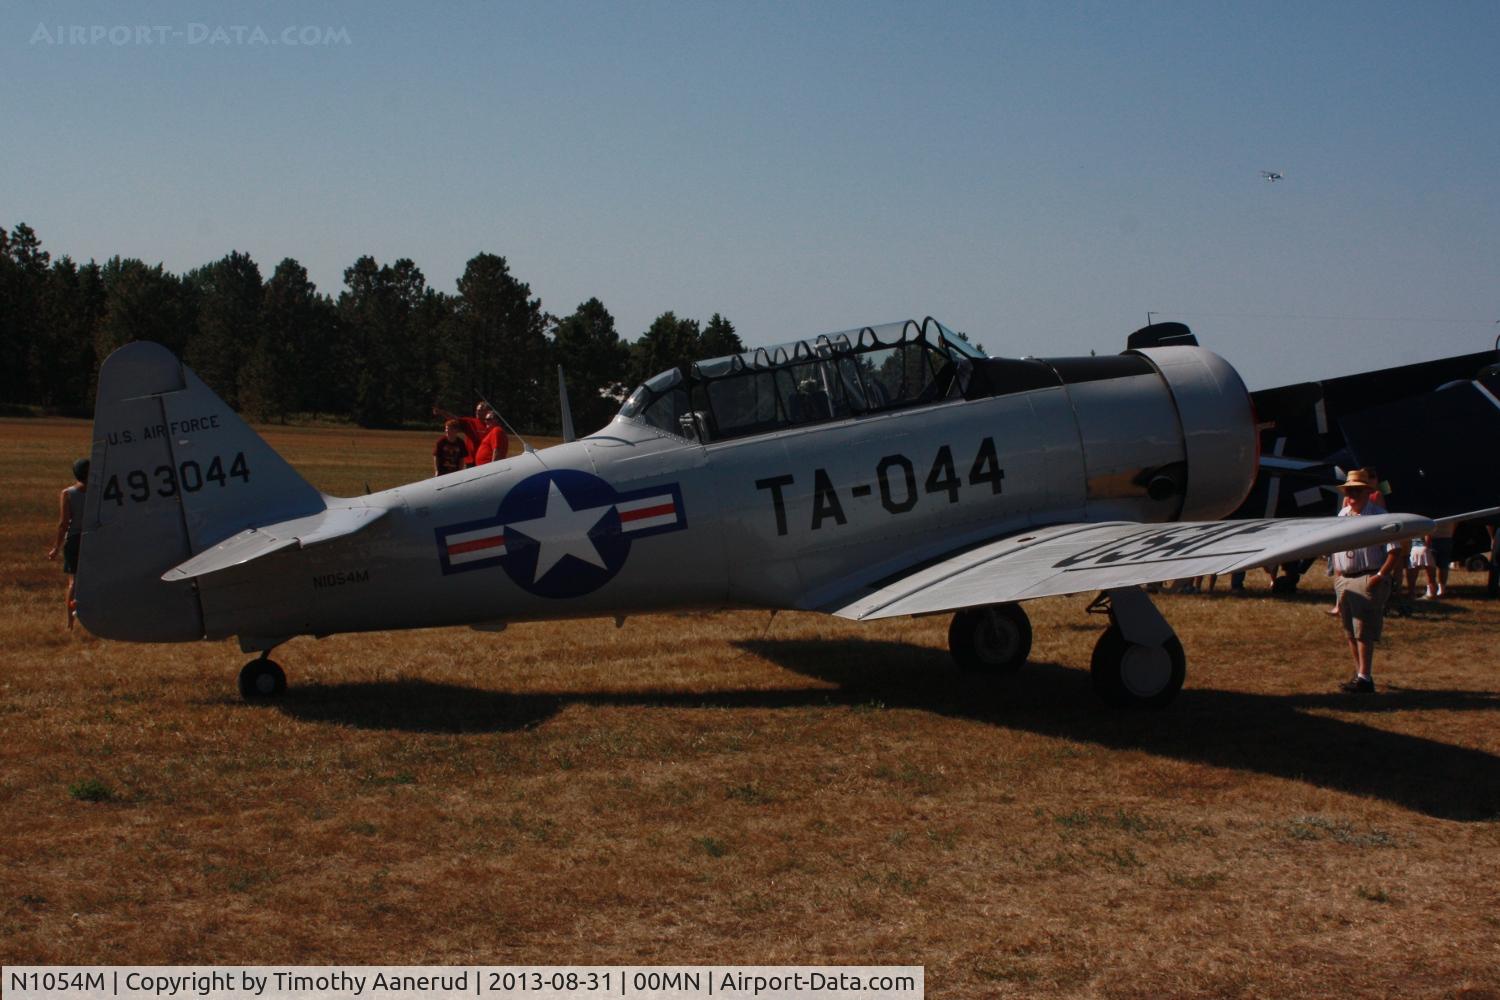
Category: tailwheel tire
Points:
column 262, row 680
column 1129, row 675
column 991, row 640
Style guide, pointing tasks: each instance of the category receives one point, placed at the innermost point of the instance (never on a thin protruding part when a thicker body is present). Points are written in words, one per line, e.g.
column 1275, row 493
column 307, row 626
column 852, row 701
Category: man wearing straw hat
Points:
column 1362, row 580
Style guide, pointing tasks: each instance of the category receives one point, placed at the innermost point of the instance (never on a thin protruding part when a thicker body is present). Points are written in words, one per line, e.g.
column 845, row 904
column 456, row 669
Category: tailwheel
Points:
column 994, row 639
column 1131, row 675
column 262, row 680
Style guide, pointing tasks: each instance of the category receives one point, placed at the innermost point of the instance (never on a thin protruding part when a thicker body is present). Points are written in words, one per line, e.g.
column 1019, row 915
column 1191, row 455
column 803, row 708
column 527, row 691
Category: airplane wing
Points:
column 1074, row 558
column 252, row 543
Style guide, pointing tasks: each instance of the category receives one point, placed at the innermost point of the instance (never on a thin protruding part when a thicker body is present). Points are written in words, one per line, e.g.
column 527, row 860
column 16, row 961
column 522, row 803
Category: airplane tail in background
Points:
column 174, row 472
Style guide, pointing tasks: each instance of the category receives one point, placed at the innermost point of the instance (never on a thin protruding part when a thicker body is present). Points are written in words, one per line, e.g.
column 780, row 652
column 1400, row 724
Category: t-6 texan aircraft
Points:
column 889, row 470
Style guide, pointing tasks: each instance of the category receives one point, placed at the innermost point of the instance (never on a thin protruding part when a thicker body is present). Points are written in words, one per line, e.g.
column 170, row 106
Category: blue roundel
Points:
column 562, row 533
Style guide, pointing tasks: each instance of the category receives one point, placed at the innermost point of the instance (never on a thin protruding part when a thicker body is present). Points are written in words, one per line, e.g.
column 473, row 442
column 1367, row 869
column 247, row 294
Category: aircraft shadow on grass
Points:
column 1283, row 736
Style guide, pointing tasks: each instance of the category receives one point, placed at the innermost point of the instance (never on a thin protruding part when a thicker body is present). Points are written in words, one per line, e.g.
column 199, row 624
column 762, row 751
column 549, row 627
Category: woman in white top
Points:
column 1420, row 559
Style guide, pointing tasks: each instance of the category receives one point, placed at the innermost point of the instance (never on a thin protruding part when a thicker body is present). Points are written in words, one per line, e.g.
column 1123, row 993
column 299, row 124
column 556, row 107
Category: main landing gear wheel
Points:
column 1129, row 675
column 991, row 640
column 262, row 680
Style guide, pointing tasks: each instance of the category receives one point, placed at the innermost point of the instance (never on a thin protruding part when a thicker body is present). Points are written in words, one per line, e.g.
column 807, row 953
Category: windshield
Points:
column 960, row 343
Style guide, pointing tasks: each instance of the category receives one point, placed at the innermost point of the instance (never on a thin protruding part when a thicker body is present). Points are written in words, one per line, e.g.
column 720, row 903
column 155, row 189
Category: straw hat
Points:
column 1360, row 479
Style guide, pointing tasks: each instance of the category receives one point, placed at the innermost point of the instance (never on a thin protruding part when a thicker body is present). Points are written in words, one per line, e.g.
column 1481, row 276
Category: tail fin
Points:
column 174, row 471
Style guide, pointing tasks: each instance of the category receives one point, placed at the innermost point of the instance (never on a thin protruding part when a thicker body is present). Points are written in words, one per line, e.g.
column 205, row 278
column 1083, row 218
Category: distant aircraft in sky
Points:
column 1271, row 175
column 885, row 471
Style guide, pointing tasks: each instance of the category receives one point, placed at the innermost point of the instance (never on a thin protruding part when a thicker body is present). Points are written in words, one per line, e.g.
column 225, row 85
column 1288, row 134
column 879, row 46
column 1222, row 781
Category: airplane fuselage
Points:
column 634, row 519
column 875, row 473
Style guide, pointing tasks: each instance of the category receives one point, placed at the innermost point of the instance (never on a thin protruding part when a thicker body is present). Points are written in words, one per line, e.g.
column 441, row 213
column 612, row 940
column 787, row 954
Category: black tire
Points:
column 990, row 640
column 262, row 680
column 1127, row 675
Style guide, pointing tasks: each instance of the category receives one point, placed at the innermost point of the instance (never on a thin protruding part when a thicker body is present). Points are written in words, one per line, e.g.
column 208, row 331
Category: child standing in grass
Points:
column 70, row 529
column 452, row 451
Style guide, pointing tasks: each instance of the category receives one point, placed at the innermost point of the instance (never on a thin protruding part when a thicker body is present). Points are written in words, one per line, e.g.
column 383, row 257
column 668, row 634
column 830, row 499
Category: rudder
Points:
column 174, row 471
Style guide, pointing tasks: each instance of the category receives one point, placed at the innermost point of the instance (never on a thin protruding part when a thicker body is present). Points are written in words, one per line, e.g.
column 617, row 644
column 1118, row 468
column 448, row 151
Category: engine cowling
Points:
column 1167, row 433
column 1217, row 419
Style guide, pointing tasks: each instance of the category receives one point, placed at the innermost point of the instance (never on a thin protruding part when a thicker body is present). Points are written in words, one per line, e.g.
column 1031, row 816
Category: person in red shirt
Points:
column 495, row 444
column 452, row 451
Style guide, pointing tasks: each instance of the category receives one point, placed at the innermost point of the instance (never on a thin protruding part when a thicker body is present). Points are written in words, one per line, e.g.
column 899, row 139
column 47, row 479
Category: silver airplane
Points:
column 889, row 470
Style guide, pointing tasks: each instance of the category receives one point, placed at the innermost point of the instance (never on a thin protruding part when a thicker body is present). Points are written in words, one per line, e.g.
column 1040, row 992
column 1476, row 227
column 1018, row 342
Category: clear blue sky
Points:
column 1038, row 174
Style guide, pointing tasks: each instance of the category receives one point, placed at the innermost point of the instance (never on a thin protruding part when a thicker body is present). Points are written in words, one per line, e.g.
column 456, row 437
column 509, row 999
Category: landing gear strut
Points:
column 1138, row 661
column 993, row 640
column 262, row 679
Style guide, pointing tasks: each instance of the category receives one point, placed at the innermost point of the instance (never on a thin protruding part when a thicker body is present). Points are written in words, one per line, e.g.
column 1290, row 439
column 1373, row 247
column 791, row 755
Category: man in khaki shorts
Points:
column 1362, row 580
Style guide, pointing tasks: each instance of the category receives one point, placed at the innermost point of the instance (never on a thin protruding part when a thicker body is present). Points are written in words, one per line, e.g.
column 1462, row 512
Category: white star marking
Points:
column 562, row 531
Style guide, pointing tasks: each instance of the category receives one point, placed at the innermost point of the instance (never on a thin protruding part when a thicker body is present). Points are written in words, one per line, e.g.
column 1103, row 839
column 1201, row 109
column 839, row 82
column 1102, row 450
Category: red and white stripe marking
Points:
column 635, row 515
column 470, row 546
column 647, row 512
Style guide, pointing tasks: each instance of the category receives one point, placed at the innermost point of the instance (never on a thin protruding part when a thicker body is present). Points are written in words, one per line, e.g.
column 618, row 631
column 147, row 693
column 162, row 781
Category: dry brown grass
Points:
column 728, row 789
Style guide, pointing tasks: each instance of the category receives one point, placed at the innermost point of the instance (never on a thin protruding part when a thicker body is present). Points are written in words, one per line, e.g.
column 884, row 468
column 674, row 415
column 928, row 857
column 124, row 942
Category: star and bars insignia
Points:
column 561, row 533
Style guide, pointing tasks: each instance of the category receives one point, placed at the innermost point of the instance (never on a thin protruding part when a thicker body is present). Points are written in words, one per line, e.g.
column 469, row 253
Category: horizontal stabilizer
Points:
column 1324, row 473
column 1279, row 463
column 1076, row 558
column 252, row 543
column 1474, row 515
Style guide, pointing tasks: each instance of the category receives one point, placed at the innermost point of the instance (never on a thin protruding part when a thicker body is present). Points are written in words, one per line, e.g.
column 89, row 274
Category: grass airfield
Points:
column 740, row 789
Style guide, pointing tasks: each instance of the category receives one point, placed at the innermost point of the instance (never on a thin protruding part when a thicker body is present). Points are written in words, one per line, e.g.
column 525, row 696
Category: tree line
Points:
column 381, row 353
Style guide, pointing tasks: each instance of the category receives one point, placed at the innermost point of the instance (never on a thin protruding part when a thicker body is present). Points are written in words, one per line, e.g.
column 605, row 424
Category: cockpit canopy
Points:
column 830, row 377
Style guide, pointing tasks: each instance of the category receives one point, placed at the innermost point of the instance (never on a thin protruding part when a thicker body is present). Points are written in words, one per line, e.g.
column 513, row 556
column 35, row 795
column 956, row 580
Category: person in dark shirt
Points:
column 451, row 452
column 473, row 428
column 70, row 530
